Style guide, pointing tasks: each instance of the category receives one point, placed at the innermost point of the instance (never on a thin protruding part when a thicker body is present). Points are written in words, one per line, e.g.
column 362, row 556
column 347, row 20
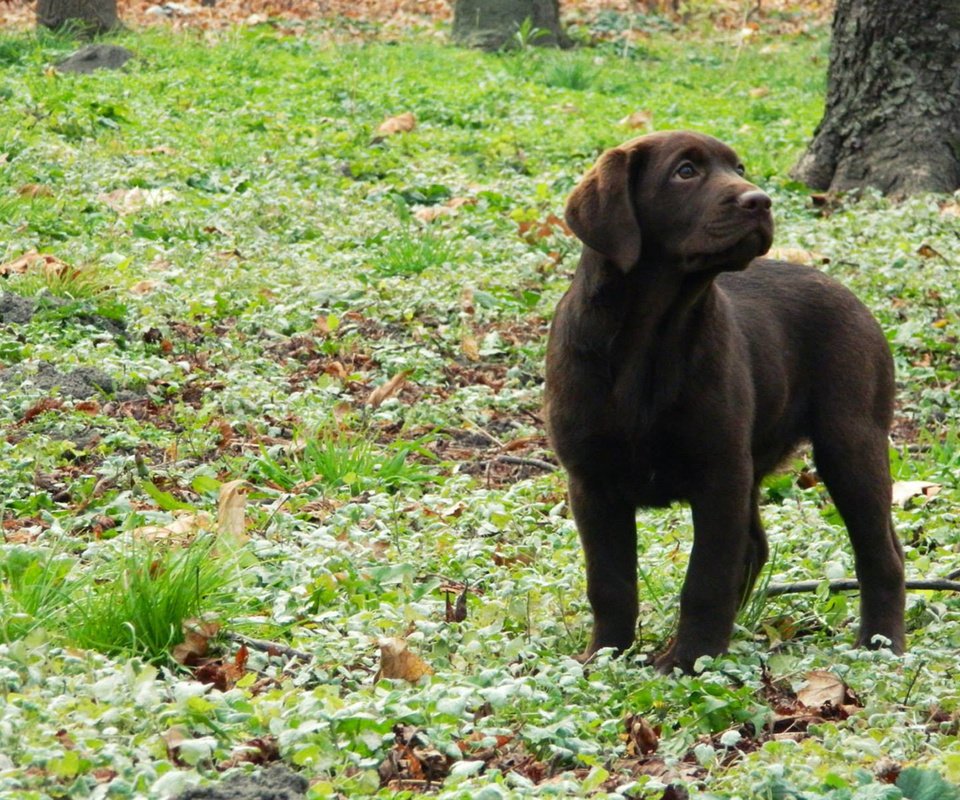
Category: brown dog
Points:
column 682, row 367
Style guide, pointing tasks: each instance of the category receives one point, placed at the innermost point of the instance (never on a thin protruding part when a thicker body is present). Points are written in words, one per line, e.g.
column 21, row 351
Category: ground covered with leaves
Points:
column 276, row 493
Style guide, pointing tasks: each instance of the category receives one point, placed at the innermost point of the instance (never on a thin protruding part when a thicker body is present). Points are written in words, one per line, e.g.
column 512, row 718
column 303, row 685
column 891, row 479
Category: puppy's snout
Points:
column 754, row 200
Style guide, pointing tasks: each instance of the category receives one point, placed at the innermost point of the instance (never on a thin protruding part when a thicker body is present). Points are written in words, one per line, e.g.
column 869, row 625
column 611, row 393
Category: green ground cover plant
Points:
column 263, row 287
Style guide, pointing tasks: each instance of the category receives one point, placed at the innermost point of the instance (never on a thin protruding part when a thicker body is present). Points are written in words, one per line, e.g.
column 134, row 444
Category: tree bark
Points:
column 492, row 24
column 90, row 16
column 892, row 117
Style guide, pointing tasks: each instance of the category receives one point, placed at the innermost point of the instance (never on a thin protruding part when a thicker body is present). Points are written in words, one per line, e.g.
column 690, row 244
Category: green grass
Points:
column 337, row 461
column 287, row 272
column 142, row 596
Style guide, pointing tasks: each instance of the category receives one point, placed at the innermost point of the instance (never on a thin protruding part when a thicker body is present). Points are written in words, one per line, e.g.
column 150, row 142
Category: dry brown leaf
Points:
column 904, row 491
column 466, row 301
column 460, row 202
column 927, row 251
column 181, row 531
column 51, row 265
column 396, row 661
column 431, row 213
column 197, row 634
column 150, row 151
column 35, row 190
column 231, row 511
column 638, row 119
column 130, row 201
column 822, row 687
column 797, row 255
column 470, row 348
column 643, row 739
column 145, row 287
column 402, row 123
column 950, row 209
column 758, row 91
column 388, row 389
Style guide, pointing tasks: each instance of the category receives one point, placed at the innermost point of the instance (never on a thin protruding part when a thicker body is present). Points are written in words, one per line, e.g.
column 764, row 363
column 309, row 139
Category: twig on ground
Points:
column 267, row 647
column 527, row 462
column 849, row 585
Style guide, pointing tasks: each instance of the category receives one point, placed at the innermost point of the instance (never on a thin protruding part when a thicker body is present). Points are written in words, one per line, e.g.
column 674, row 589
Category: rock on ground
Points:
column 276, row 782
column 96, row 56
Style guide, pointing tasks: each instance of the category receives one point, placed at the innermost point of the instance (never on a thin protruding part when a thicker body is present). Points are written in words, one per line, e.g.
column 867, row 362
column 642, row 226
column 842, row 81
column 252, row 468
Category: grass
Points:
column 142, row 596
column 292, row 263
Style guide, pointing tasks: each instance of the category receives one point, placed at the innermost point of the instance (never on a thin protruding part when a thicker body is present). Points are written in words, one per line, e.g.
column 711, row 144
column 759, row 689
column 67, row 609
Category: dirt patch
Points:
column 20, row 310
column 78, row 384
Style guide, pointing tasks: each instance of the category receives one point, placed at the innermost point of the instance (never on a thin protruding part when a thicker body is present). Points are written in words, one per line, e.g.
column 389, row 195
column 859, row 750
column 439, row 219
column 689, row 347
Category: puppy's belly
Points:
column 657, row 488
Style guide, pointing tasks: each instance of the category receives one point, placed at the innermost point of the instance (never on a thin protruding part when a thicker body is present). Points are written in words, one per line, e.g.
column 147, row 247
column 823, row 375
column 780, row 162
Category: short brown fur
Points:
column 681, row 366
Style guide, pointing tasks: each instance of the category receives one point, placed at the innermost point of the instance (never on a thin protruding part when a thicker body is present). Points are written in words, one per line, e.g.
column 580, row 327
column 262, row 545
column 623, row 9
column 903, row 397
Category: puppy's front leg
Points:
column 608, row 533
column 716, row 573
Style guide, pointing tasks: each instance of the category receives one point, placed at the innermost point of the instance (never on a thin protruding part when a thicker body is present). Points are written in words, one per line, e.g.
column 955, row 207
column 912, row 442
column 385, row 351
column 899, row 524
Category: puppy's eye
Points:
column 741, row 170
column 686, row 171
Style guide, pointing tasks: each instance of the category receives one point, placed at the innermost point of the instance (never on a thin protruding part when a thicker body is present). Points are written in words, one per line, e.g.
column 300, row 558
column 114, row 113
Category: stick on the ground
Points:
column 527, row 462
column 850, row 585
column 265, row 646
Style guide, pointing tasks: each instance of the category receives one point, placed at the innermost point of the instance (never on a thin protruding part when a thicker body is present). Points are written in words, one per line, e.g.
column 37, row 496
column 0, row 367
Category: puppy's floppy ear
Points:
column 600, row 209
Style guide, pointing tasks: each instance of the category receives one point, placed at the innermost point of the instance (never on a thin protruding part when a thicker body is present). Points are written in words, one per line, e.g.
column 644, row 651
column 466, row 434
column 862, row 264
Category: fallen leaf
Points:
column 402, row 123
column 456, row 612
column 758, row 91
column 431, row 213
column 181, row 531
column 130, row 201
column 797, row 255
column 821, row 687
column 470, row 348
column 949, row 209
column 231, row 511
column 396, row 661
column 35, row 190
column 903, row 491
column 51, row 265
column 638, row 119
column 466, row 301
column 197, row 634
column 642, row 738
column 387, row 390
column 150, row 151
column 145, row 287
column 927, row 251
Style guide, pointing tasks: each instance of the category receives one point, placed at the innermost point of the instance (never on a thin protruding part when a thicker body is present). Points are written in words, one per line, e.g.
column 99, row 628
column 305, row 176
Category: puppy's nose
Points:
column 754, row 200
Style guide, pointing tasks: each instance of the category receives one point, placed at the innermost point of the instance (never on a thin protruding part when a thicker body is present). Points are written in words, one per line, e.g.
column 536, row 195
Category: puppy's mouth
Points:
column 734, row 246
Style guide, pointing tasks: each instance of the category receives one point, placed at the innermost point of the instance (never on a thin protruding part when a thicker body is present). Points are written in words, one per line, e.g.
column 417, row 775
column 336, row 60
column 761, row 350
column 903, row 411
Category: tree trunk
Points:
column 90, row 16
column 892, row 117
column 492, row 24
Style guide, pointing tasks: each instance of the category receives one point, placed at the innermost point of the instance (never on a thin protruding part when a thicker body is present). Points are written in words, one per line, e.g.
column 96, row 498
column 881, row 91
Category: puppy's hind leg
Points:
column 608, row 533
column 853, row 461
column 757, row 549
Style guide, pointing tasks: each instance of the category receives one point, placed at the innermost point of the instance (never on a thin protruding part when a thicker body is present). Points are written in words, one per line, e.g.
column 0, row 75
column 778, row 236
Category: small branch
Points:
column 953, row 575
column 266, row 647
column 850, row 585
column 527, row 462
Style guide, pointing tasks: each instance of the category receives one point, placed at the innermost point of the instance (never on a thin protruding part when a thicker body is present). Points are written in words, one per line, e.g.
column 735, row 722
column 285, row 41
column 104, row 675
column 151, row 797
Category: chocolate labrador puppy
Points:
column 681, row 366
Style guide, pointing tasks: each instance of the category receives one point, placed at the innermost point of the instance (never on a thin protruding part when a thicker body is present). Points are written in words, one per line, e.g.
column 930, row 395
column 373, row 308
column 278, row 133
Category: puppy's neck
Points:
column 647, row 293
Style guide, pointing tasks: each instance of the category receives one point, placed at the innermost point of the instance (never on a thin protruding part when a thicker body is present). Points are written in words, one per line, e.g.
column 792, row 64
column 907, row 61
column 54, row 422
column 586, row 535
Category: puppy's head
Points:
column 682, row 195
